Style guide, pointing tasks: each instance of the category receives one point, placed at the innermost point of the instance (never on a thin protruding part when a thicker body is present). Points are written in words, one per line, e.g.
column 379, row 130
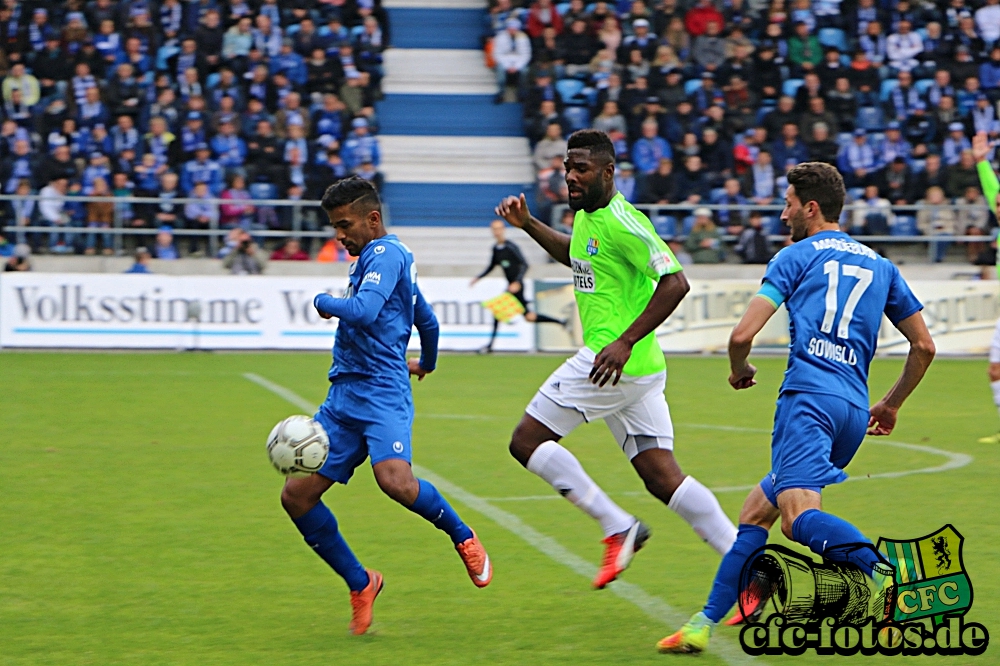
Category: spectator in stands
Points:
column 165, row 248
column 709, row 49
column 817, row 113
column 903, row 47
column 733, row 217
column 894, row 145
column 200, row 215
column 650, row 148
column 858, row 161
column 165, row 213
column 920, row 129
column 19, row 79
column 717, row 156
column 100, row 215
column 873, row 215
column 692, row 182
column 52, row 209
column 936, row 218
column 202, row 170
column 542, row 14
column 822, row 148
column 753, row 246
column 552, row 145
column 141, row 263
column 704, row 242
column 610, row 119
column 789, row 150
column 988, row 21
column 290, row 251
column 20, row 260
column 246, row 259
column 625, row 182
column 332, row 251
column 237, row 211
column 777, row 119
column 962, row 175
column 360, row 146
column 895, row 182
column 804, row 50
column 973, row 220
column 698, row 17
column 660, row 187
column 512, row 52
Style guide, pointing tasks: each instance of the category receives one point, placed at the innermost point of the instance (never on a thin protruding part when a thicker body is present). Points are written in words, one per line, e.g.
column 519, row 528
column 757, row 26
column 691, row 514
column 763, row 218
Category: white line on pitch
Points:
column 652, row 606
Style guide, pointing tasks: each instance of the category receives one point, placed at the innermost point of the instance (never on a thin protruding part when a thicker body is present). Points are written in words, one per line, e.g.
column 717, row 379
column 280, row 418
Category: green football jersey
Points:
column 617, row 258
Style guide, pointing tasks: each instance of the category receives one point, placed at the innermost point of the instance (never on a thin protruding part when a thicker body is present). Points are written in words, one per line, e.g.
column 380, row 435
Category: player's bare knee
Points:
column 398, row 483
column 296, row 501
column 523, row 443
column 994, row 372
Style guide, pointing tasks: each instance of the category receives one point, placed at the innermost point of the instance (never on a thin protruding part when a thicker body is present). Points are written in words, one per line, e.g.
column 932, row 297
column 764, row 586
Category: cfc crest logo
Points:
column 593, row 245
column 930, row 575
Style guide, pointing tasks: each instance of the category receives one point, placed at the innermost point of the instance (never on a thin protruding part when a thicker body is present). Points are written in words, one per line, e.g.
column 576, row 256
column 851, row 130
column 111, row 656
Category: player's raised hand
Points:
column 980, row 146
column 883, row 419
column 413, row 365
column 744, row 379
column 610, row 362
column 515, row 211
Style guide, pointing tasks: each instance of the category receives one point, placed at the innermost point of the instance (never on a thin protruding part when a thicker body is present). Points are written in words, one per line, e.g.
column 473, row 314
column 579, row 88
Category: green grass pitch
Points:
column 140, row 520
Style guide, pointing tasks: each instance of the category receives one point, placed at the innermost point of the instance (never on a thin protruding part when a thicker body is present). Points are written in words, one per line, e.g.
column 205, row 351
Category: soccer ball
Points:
column 298, row 446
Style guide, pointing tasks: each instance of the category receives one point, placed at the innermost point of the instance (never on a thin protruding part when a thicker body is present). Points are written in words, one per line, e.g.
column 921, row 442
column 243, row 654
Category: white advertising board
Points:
column 961, row 316
column 202, row 312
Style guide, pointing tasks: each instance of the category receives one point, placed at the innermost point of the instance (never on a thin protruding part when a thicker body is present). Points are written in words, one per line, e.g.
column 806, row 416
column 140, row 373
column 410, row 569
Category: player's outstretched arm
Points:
column 758, row 312
column 610, row 362
column 515, row 211
column 883, row 413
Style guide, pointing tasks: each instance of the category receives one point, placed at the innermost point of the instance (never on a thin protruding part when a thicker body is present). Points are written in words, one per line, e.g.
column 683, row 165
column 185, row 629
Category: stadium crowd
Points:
column 246, row 101
column 712, row 102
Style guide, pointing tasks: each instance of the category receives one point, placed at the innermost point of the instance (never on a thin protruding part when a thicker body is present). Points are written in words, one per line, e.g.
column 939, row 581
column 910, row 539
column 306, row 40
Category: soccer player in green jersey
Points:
column 991, row 187
column 627, row 282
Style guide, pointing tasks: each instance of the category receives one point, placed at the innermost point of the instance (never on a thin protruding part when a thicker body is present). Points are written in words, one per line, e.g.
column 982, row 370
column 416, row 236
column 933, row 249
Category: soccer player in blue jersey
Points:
column 836, row 291
column 369, row 409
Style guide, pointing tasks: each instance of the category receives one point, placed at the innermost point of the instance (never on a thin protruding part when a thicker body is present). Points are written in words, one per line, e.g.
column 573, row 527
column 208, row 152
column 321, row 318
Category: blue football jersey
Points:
column 836, row 291
column 377, row 315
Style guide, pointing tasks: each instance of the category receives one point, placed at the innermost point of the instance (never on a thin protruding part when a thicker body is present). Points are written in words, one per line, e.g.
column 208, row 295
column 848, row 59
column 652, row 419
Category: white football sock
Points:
column 563, row 471
column 696, row 504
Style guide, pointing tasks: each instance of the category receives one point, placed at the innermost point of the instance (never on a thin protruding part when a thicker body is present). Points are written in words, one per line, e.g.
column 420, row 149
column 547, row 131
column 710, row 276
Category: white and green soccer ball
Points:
column 298, row 446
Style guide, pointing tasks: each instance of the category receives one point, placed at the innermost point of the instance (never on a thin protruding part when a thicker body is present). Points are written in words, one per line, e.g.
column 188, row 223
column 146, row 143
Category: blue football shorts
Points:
column 366, row 417
column 815, row 436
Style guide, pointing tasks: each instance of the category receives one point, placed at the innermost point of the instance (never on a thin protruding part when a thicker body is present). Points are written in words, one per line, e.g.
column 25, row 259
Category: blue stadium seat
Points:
column 590, row 94
column 844, row 138
column 212, row 80
column 691, row 86
column 687, row 225
column 791, row 86
column 291, row 30
column 887, row 87
column 569, row 88
column 904, row 225
column 716, row 194
column 870, row 118
column 262, row 191
column 856, row 193
column 562, row 8
column 578, row 117
column 665, row 225
column 833, row 37
column 923, row 85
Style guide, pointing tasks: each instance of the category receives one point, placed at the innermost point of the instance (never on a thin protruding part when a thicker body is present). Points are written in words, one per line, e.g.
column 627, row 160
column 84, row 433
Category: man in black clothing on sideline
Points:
column 508, row 256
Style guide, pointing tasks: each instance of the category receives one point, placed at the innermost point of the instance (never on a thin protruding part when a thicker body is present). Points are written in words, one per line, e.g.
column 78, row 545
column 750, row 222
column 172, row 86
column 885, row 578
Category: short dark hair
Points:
column 597, row 142
column 822, row 183
column 354, row 191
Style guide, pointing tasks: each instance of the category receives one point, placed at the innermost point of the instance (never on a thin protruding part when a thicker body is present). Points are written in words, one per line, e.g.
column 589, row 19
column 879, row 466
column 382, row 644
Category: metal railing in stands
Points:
column 302, row 226
column 681, row 211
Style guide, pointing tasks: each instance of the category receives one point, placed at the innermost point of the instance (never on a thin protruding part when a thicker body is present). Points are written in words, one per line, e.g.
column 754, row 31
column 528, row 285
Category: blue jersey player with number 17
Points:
column 368, row 411
column 836, row 291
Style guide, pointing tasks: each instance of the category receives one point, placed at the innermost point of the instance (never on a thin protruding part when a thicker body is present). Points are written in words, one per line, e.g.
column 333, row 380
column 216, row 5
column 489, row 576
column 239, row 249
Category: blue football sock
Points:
column 725, row 588
column 430, row 506
column 319, row 528
column 830, row 536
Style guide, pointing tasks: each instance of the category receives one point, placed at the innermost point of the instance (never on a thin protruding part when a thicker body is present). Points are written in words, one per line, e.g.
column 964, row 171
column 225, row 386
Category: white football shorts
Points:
column 995, row 345
column 635, row 410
